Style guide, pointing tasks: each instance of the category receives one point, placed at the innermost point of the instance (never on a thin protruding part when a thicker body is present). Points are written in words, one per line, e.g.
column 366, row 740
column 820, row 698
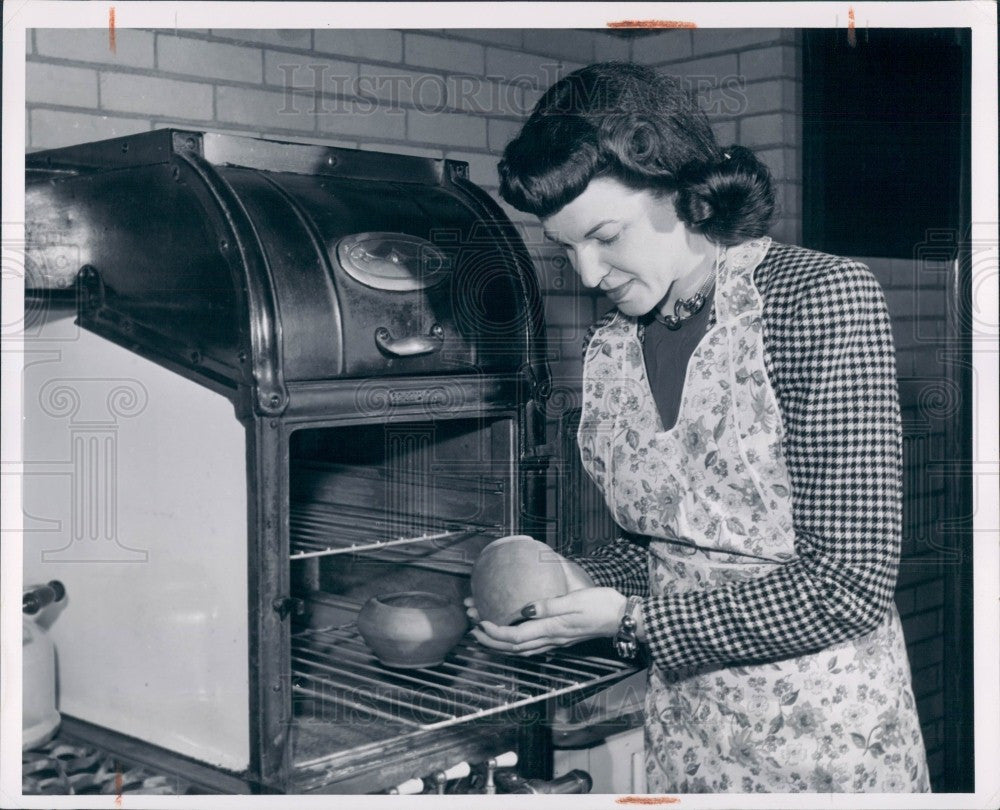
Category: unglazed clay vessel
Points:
column 510, row 573
column 411, row 629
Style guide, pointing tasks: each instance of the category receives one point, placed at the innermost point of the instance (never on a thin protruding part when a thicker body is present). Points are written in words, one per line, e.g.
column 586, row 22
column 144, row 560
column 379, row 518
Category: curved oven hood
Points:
column 249, row 265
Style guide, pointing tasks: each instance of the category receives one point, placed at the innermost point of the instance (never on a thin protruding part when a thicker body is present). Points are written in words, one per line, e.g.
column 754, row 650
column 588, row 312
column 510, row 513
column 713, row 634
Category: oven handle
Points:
column 410, row 346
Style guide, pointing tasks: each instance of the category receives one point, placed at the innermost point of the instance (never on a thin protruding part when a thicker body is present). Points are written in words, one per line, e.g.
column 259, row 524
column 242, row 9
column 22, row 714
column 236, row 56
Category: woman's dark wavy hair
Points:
column 632, row 124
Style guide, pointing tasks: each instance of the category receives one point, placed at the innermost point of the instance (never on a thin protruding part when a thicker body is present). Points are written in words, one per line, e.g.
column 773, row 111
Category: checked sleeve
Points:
column 833, row 369
column 621, row 564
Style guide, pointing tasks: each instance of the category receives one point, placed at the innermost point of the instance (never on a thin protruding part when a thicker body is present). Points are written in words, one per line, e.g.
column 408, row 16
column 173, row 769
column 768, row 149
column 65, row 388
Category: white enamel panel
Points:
column 135, row 498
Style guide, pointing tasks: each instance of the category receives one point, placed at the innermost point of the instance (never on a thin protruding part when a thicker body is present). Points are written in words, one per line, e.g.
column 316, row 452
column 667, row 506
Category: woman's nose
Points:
column 589, row 267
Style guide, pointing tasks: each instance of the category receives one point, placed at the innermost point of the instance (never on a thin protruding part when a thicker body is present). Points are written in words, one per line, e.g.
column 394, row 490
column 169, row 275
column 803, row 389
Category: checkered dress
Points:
column 830, row 359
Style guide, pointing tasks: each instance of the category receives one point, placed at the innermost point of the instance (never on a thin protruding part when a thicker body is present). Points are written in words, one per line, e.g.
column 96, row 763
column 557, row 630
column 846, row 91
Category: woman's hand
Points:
column 576, row 579
column 582, row 614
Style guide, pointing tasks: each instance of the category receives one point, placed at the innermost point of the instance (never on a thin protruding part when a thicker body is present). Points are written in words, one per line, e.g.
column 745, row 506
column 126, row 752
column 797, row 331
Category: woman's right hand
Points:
column 576, row 579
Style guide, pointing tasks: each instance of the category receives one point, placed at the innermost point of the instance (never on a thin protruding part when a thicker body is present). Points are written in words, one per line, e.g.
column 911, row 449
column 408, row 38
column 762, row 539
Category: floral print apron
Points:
column 714, row 495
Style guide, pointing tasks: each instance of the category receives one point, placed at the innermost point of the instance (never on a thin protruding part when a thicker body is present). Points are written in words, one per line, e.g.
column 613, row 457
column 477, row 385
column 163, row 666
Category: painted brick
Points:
column 926, row 362
column 933, row 734
column 608, row 47
column 394, row 87
column 522, row 68
column 376, row 124
column 901, row 303
column 446, row 128
column 768, row 63
column 148, row 94
column 507, row 37
column 501, row 132
column 758, row 130
column 930, row 594
column 214, row 60
column 904, row 332
column 53, row 128
column 715, row 68
column 904, row 601
column 926, row 681
column 783, row 163
column 922, row 626
column 927, row 652
column 564, row 43
column 567, row 310
column 936, row 763
column 788, row 199
column 762, row 97
column 882, row 268
column 725, row 131
column 482, row 167
column 380, row 45
column 133, row 48
column 484, row 97
column 931, row 303
column 403, row 149
column 713, row 40
column 531, row 96
column 304, row 72
column 60, row 84
column 287, row 37
column 666, row 46
column 445, row 54
column 265, row 108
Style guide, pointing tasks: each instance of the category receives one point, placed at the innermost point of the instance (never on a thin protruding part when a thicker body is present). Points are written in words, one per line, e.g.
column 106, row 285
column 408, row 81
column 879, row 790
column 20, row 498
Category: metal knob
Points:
column 407, row 788
column 457, row 771
column 505, row 760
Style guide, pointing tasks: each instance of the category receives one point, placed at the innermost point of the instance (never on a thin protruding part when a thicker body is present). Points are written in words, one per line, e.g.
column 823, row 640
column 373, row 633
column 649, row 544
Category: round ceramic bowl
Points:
column 411, row 629
column 513, row 571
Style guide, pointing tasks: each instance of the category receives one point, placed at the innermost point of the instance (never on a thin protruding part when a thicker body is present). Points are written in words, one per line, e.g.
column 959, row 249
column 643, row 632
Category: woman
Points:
column 740, row 415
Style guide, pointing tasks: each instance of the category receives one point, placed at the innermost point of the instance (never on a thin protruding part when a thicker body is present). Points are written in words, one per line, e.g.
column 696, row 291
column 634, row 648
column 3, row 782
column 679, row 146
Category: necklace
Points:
column 684, row 308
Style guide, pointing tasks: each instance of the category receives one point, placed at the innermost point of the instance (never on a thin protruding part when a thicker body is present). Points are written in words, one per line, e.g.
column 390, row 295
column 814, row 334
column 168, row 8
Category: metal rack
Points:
column 320, row 530
column 336, row 668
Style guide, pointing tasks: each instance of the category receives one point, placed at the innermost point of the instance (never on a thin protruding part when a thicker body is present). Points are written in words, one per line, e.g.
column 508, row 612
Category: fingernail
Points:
column 529, row 611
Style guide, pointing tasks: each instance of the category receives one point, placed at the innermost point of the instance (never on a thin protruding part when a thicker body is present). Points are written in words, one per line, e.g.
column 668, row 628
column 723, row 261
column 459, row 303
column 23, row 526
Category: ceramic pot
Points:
column 513, row 571
column 411, row 629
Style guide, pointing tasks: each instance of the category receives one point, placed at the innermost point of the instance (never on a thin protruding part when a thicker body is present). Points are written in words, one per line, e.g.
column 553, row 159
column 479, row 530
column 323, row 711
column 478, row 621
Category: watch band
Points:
column 626, row 644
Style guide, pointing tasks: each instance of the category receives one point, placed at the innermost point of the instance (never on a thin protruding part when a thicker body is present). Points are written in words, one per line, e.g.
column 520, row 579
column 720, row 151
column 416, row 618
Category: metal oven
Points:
column 263, row 382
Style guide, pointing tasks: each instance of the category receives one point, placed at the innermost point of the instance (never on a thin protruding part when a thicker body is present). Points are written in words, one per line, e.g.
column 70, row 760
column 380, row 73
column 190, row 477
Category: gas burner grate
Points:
column 335, row 667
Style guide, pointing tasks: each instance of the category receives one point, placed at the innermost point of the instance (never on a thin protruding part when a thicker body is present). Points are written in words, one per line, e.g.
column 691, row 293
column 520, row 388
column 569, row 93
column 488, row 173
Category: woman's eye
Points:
column 609, row 240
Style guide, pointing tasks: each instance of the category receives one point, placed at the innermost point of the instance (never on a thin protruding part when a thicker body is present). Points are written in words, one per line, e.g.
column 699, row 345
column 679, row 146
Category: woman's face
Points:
column 630, row 244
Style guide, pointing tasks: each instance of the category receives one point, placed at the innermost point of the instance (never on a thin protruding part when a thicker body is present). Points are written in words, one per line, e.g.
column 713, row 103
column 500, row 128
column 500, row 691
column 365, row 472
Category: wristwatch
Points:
column 626, row 644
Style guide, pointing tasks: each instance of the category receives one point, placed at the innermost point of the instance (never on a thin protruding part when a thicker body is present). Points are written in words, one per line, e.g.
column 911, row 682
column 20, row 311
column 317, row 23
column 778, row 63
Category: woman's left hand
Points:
column 580, row 615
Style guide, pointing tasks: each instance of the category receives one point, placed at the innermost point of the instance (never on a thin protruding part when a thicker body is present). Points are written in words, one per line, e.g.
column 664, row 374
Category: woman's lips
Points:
column 616, row 294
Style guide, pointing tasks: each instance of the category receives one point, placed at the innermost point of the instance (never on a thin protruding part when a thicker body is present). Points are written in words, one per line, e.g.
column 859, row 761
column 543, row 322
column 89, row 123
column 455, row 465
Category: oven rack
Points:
column 322, row 530
column 335, row 667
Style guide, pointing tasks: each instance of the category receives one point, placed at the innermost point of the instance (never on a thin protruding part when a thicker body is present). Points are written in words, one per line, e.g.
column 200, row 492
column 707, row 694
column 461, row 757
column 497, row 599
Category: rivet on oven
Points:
column 224, row 244
column 331, row 160
column 274, row 423
column 275, row 400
